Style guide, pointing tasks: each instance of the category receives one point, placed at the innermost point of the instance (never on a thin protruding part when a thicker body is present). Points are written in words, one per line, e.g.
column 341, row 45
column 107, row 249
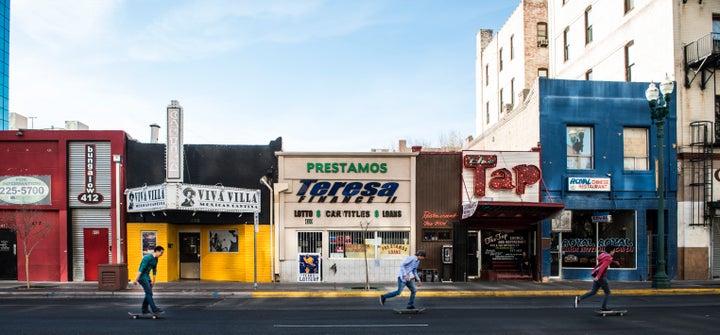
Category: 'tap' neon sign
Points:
column 522, row 175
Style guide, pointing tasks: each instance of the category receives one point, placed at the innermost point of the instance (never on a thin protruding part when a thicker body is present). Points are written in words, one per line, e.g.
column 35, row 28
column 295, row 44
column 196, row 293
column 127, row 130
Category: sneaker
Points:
column 605, row 309
column 158, row 311
column 145, row 312
column 410, row 307
column 577, row 301
column 382, row 300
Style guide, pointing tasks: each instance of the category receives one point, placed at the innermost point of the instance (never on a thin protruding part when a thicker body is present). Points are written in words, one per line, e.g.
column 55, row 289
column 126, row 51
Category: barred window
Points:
column 310, row 241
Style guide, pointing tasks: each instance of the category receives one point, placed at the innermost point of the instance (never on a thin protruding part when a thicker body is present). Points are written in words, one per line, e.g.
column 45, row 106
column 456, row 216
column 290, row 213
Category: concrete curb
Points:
column 351, row 294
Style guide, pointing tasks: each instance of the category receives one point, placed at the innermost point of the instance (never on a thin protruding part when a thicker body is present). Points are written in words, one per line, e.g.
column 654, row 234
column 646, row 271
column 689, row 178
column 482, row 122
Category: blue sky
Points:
column 340, row 75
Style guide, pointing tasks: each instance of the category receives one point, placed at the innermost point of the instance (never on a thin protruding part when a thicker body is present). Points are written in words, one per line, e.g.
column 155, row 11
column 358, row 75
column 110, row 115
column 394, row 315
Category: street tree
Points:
column 30, row 228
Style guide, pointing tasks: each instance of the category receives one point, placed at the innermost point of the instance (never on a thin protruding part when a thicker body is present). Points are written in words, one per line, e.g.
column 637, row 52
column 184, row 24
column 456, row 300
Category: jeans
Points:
column 597, row 284
column 401, row 285
column 148, row 296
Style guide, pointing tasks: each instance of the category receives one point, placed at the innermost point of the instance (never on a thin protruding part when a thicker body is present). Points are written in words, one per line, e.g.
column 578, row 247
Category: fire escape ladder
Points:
column 701, row 168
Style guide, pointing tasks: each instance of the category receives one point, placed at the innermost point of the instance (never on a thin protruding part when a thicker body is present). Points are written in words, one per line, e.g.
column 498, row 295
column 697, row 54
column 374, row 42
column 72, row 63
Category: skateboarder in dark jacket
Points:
column 599, row 274
column 149, row 263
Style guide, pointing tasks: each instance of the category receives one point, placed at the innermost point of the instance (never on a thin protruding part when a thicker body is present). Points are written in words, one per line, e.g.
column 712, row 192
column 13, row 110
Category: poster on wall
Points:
column 500, row 245
column 224, row 240
column 149, row 241
column 309, row 268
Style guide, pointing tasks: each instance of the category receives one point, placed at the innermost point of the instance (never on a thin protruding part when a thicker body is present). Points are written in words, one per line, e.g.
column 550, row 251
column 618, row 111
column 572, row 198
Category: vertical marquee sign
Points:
column 174, row 146
column 90, row 195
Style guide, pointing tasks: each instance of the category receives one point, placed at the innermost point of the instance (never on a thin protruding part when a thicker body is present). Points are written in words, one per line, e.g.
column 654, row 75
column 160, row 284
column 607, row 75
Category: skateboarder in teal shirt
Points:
column 149, row 263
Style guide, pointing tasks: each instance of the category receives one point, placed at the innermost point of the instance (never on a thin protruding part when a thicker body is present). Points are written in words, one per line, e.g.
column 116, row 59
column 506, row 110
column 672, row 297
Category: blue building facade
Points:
column 4, row 62
column 599, row 156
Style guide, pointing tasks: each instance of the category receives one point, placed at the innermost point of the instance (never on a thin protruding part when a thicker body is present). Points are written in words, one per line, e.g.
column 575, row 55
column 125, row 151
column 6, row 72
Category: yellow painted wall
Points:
column 220, row 266
column 167, row 269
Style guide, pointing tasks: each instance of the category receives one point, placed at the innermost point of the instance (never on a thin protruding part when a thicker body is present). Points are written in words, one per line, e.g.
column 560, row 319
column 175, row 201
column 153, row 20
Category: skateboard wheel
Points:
column 135, row 316
column 154, row 316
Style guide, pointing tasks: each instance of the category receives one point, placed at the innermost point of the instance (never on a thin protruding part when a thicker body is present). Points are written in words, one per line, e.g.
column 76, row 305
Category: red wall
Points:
column 45, row 152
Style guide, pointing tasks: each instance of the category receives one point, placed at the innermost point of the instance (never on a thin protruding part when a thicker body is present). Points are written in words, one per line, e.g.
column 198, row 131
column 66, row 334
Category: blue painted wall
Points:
column 607, row 107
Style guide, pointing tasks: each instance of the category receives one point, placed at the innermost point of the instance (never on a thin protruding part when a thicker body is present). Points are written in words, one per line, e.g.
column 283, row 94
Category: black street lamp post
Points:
column 660, row 107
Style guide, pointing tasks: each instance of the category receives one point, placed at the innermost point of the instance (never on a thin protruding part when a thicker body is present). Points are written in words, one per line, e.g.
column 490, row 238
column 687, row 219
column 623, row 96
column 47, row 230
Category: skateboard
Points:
column 142, row 316
column 620, row 312
column 409, row 311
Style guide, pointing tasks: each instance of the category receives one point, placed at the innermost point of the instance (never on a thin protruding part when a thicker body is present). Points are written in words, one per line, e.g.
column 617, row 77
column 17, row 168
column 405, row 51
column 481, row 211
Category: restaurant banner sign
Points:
column 175, row 196
column 588, row 184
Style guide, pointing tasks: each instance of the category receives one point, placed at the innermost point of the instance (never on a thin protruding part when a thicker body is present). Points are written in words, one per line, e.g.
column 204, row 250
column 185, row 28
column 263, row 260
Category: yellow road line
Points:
column 455, row 294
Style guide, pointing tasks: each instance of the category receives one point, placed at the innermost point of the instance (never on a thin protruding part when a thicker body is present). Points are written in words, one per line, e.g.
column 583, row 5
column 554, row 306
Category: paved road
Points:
column 695, row 314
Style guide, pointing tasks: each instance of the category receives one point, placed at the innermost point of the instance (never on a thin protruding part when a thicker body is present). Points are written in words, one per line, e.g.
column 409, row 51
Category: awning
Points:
column 513, row 213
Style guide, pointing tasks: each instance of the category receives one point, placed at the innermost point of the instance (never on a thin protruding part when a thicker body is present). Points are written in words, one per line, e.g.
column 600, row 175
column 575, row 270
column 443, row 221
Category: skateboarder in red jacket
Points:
column 599, row 274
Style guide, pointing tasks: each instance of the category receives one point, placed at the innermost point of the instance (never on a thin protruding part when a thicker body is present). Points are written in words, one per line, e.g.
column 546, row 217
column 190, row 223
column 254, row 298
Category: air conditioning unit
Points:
column 542, row 43
column 508, row 107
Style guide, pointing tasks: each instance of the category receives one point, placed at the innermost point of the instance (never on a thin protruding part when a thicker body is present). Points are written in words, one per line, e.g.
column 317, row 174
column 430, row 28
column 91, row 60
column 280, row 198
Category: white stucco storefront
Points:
column 340, row 209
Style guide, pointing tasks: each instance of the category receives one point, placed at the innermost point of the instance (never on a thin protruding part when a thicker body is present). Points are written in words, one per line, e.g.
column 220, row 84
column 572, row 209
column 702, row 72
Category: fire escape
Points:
column 702, row 58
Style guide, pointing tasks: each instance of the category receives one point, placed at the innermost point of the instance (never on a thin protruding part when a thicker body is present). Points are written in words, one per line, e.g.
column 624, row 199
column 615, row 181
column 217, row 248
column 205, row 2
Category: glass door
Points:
column 473, row 250
column 555, row 255
column 189, row 255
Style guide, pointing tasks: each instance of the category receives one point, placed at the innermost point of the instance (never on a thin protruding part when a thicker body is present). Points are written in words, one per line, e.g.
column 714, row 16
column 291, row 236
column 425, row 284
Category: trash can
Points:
column 112, row 277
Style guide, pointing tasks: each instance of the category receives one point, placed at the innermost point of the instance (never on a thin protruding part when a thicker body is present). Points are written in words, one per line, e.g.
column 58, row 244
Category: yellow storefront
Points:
column 208, row 233
column 213, row 265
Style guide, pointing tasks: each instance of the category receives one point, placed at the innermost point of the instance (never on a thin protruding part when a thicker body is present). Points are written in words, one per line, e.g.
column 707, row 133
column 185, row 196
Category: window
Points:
column 588, row 75
column 502, row 102
column 542, row 34
column 716, row 24
column 592, row 231
column 566, row 44
column 487, row 112
column 629, row 5
column 374, row 244
column 579, row 148
column 224, row 240
column 588, row 26
column 500, row 59
column 512, row 91
column 635, row 149
column 310, row 241
column 437, row 234
column 629, row 61
column 487, row 74
column 512, row 47
column 542, row 72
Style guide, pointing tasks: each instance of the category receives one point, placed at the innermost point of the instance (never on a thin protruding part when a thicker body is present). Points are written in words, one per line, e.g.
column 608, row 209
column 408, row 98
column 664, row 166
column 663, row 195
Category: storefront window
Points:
column 592, row 231
column 382, row 244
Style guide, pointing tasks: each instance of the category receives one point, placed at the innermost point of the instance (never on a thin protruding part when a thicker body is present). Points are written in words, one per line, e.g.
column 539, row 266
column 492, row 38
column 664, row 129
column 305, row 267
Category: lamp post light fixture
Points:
column 659, row 109
column 264, row 181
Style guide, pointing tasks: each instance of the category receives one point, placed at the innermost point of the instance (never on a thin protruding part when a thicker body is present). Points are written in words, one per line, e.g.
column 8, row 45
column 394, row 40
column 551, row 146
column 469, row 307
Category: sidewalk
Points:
column 213, row 289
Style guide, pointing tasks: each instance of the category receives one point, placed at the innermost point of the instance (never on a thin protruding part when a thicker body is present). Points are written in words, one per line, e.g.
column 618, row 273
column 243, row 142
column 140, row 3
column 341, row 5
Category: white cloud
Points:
column 54, row 24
